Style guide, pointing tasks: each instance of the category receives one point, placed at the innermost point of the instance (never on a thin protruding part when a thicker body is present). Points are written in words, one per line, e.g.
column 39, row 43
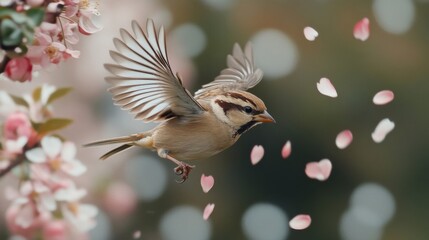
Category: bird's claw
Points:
column 183, row 170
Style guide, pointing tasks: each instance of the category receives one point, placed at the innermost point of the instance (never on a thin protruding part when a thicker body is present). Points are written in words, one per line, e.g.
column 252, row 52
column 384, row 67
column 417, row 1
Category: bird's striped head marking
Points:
column 241, row 110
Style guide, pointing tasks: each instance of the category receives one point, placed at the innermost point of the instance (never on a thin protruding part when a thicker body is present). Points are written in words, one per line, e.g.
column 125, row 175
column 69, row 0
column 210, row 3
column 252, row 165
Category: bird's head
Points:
column 241, row 110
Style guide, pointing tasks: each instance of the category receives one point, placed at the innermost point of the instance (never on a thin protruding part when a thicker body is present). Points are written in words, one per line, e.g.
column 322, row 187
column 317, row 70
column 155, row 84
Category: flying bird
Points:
column 190, row 127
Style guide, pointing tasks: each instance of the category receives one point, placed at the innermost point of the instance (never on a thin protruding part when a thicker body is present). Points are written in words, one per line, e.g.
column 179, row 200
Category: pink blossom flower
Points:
column 45, row 51
column 88, row 17
column 32, row 200
column 18, row 125
column 58, row 155
column 40, row 110
column 55, row 230
column 15, row 215
column 80, row 216
column 19, row 69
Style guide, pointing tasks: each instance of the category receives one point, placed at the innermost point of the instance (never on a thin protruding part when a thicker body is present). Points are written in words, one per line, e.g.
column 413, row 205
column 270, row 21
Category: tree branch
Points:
column 20, row 159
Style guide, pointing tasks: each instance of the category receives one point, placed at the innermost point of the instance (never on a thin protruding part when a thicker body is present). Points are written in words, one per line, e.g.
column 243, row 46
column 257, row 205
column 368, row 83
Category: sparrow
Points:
column 190, row 127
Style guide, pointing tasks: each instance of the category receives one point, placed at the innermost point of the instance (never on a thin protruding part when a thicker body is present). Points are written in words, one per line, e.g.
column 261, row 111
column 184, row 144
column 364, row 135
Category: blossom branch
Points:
column 20, row 159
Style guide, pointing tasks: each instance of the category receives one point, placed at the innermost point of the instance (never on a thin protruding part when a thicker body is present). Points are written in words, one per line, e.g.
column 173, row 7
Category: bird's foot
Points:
column 183, row 170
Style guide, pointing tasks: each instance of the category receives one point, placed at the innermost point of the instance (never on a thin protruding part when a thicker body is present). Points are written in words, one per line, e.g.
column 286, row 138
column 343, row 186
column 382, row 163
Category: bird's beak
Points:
column 264, row 117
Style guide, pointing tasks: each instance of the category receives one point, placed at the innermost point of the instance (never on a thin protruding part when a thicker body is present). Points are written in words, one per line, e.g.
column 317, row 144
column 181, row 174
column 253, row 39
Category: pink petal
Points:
column 36, row 155
column 89, row 24
column 383, row 97
column 286, row 150
column 25, row 216
column 207, row 183
column 300, row 222
column 68, row 152
column 137, row 234
column 361, row 29
column 208, row 210
column 384, row 127
column 257, row 154
column 73, row 168
column 326, row 88
column 344, row 139
column 319, row 170
column 51, row 146
column 310, row 33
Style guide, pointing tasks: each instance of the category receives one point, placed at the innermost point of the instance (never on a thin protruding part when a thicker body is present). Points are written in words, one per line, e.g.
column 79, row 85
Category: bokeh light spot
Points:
column 184, row 223
column 192, row 39
column 265, row 221
column 394, row 16
column 147, row 176
column 275, row 53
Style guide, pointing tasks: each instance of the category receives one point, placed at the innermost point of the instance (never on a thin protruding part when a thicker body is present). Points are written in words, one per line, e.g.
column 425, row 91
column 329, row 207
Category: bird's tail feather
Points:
column 125, row 139
column 115, row 150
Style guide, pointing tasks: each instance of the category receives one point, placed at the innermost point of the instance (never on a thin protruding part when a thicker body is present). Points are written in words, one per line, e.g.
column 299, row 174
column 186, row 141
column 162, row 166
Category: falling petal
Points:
column 257, row 154
column 310, row 33
column 326, row 88
column 137, row 234
column 383, row 97
column 344, row 139
column 286, row 150
column 300, row 222
column 207, row 183
column 361, row 29
column 319, row 170
column 208, row 210
column 384, row 127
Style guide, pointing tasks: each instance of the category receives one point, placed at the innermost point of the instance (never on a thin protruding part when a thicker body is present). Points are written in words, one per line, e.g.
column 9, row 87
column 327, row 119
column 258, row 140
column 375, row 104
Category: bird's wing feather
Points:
column 143, row 82
column 241, row 73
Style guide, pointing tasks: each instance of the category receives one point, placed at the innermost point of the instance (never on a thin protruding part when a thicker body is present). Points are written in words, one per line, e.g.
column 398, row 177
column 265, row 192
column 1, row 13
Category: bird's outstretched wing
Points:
column 143, row 82
column 241, row 73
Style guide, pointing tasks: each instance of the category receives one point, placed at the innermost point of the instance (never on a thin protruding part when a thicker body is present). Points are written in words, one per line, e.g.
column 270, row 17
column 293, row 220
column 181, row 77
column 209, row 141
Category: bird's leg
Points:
column 182, row 169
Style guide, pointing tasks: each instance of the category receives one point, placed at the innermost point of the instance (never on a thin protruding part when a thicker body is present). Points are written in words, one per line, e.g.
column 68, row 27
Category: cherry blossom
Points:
column 310, row 33
column 18, row 125
column 80, row 216
column 55, row 230
column 40, row 110
column 257, row 154
column 319, row 170
column 325, row 87
column 286, row 150
column 19, row 69
column 208, row 210
column 300, row 222
column 88, row 17
column 58, row 155
column 361, row 29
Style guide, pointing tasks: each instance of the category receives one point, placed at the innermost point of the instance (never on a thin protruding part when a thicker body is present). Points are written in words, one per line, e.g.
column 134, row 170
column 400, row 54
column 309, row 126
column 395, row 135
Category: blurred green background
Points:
column 392, row 175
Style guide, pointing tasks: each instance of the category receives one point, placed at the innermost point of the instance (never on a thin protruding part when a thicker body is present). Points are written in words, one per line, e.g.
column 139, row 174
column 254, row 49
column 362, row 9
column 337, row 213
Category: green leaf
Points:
column 58, row 93
column 37, row 94
column 19, row 101
column 35, row 16
column 10, row 33
column 5, row 12
column 53, row 124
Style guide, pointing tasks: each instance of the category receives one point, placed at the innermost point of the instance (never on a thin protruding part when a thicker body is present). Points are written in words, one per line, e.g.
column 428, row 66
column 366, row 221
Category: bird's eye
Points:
column 248, row 109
